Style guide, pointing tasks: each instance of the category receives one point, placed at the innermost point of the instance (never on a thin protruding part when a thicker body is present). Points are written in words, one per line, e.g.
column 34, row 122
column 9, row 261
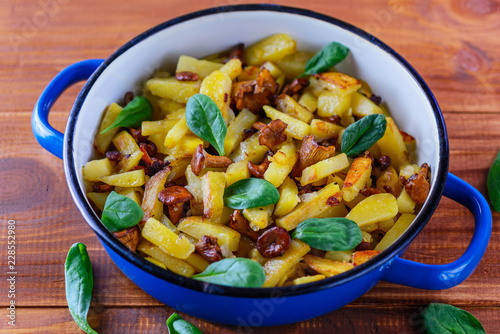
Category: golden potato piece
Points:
column 135, row 178
column 95, row 169
column 213, row 185
column 198, row 227
column 288, row 198
column 272, row 48
column 375, row 208
column 309, row 209
column 396, row 231
column 338, row 82
column 327, row 267
column 102, row 141
column 201, row 67
column 169, row 262
column 276, row 268
column 296, row 128
column 169, row 242
column 361, row 257
column 357, row 176
column 392, row 145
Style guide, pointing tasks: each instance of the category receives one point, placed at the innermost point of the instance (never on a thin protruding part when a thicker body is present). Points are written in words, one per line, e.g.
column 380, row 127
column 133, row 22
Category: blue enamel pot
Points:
column 410, row 102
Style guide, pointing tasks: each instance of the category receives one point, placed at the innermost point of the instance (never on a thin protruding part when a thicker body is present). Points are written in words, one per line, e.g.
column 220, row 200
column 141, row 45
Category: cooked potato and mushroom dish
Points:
column 263, row 159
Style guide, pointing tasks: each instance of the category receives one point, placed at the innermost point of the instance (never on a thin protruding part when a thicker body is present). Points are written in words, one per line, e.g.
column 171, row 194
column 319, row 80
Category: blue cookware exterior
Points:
column 273, row 306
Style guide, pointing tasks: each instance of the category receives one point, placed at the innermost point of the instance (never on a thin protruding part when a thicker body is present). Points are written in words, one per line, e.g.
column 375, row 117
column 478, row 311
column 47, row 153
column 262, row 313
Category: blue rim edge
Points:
column 134, row 258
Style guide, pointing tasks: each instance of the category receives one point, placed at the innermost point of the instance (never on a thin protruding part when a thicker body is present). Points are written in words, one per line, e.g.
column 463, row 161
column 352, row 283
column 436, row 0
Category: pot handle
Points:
column 48, row 137
column 445, row 276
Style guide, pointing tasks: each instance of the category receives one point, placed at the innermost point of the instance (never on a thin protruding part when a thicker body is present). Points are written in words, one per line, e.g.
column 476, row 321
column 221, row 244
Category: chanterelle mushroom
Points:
column 240, row 224
column 417, row 185
column 208, row 247
column 129, row 237
column 310, row 153
column 174, row 197
column 253, row 94
column 271, row 134
column 259, row 170
column 296, row 87
column 202, row 159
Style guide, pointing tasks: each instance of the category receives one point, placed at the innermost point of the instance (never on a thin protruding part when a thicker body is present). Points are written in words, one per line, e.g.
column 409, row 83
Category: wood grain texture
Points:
column 151, row 320
column 453, row 44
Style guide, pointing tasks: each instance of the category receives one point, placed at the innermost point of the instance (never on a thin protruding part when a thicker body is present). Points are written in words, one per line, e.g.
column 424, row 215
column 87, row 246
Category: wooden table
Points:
column 454, row 45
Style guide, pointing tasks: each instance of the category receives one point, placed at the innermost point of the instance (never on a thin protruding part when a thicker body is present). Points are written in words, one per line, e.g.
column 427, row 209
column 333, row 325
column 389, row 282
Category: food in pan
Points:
column 261, row 160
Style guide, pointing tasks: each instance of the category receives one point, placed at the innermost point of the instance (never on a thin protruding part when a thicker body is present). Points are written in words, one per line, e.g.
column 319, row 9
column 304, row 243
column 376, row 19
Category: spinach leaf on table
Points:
column 494, row 183
column 448, row 319
column 79, row 285
column 177, row 325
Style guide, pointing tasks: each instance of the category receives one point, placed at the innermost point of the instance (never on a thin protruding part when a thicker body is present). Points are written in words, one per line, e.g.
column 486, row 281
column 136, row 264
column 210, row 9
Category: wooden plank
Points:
column 367, row 319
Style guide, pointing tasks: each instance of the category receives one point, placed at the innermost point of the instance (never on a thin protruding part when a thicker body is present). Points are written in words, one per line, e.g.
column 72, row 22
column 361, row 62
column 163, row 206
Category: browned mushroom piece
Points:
column 150, row 165
column 208, row 248
column 247, row 133
column 258, row 125
column 149, row 146
column 407, row 138
column 128, row 97
column 129, row 237
column 334, row 200
column 310, row 153
column 201, row 159
column 174, row 198
column 241, row 225
column 137, row 134
column 364, row 245
column 254, row 94
column 259, row 170
column 113, row 155
column 273, row 242
column 236, row 52
column 383, row 162
column 272, row 134
column 370, row 191
column 335, row 119
column 417, row 185
column 102, row 188
column 296, row 87
column 186, row 76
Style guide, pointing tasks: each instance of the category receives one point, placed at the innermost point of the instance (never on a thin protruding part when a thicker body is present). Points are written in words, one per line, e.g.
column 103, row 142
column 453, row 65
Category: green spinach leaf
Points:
column 361, row 135
column 79, row 285
column 494, row 183
column 250, row 193
column 329, row 234
column 447, row 319
column 120, row 212
column 177, row 325
column 329, row 56
column 239, row 272
column 138, row 110
column 205, row 120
